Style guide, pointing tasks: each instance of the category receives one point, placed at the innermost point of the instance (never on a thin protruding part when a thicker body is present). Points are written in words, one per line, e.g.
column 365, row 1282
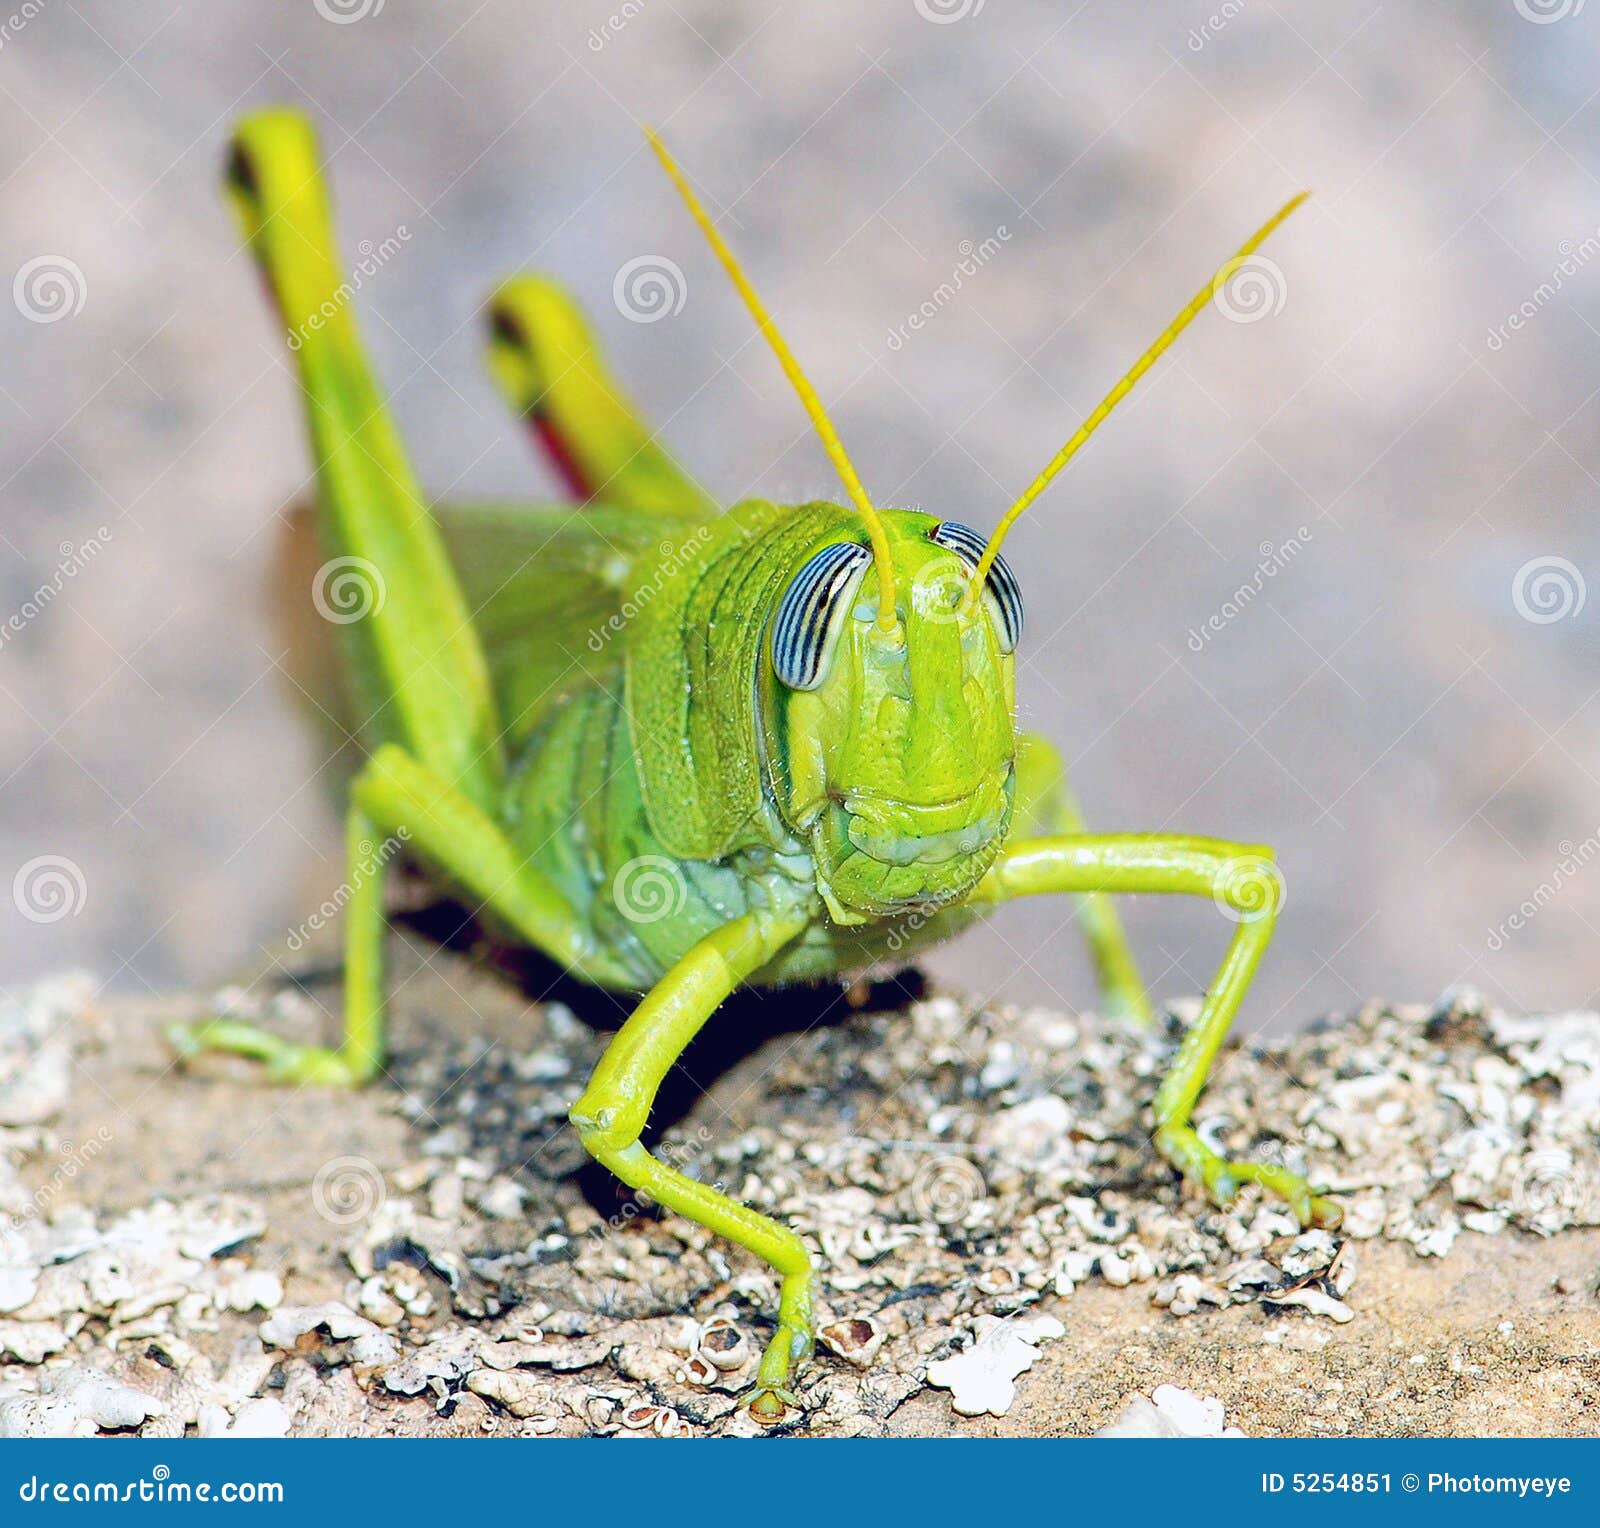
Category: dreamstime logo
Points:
column 674, row 556
column 1250, row 887
column 907, row 928
column 373, row 258
column 1273, row 560
column 1548, row 589
column 649, row 888
column 348, row 589
column 75, row 1157
column 1574, row 858
column 682, row 1156
column 1248, row 290
column 649, row 288
column 49, row 288
column 1213, row 25
column 972, row 259
column 613, row 24
column 945, row 1188
column 938, row 592
column 342, row 12
column 49, row 888
column 1551, row 1189
column 74, row 559
column 347, row 1190
column 370, row 859
column 18, row 19
column 943, row 12
column 1542, row 12
column 1575, row 254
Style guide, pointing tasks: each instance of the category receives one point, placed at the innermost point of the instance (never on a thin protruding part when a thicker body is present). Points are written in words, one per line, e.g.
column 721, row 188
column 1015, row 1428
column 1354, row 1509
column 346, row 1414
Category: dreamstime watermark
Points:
column 1248, row 289
column 614, row 24
column 13, row 24
column 49, row 888
column 348, row 589
column 371, row 858
column 1250, row 887
column 648, row 888
column 683, row 1156
column 1552, row 1189
column 649, row 288
column 1273, row 560
column 342, row 12
column 945, row 1188
column 75, row 557
column 674, row 557
column 373, row 259
column 75, row 1156
column 1214, row 24
column 973, row 258
column 943, row 12
column 1542, row 12
column 905, row 929
column 49, row 288
column 1548, row 589
column 1575, row 254
column 348, row 1190
column 1575, row 858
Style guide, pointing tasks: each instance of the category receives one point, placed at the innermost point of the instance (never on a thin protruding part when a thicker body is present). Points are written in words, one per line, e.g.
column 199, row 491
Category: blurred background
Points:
column 1321, row 583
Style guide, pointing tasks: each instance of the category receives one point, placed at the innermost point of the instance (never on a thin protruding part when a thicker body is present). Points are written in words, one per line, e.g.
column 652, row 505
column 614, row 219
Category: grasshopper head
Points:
column 893, row 747
column 889, row 722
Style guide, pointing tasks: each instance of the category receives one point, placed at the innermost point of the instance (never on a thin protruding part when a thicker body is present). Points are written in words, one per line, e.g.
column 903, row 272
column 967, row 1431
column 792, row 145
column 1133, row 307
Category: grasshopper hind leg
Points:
column 546, row 361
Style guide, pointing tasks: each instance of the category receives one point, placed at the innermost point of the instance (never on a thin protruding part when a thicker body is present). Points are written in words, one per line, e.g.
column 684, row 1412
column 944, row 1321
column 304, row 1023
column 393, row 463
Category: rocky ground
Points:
column 999, row 1251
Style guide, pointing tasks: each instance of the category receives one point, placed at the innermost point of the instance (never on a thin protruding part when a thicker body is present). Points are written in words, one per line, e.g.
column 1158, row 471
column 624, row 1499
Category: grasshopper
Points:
column 786, row 751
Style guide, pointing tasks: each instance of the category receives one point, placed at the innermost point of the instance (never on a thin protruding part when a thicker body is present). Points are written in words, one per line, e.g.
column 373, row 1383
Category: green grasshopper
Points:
column 786, row 749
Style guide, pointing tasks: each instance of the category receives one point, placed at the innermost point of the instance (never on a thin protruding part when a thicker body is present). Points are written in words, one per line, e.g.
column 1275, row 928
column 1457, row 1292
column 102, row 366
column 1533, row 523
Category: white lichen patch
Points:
column 75, row 1402
column 981, row 1379
column 1170, row 1411
column 36, row 1048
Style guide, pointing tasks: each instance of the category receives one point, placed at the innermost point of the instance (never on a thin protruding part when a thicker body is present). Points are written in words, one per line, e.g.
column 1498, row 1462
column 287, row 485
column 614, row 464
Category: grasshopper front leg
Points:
column 611, row 1116
column 1242, row 880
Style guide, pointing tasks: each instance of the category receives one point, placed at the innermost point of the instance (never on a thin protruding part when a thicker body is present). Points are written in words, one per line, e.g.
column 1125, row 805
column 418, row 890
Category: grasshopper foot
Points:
column 770, row 1405
column 1221, row 1179
column 285, row 1061
column 770, row 1400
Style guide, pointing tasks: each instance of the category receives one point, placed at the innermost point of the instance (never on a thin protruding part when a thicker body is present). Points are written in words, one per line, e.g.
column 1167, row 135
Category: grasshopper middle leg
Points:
column 400, row 801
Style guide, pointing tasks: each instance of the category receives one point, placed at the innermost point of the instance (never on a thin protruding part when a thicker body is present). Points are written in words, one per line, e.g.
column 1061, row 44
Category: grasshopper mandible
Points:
column 798, row 727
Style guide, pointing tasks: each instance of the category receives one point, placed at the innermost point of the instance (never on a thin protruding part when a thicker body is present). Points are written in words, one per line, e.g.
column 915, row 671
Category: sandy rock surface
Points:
column 999, row 1250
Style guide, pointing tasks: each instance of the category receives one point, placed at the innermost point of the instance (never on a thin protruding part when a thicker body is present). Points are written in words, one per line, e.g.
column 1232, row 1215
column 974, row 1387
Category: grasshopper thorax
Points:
column 891, row 747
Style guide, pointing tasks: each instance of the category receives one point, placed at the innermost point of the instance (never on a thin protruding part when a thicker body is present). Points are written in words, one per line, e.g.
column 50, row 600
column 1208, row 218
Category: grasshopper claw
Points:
column 1221, row 1178
column 285, row 1061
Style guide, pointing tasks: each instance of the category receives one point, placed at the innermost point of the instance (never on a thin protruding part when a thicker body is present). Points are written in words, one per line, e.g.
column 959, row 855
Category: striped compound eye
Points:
column 806, row 619
column 1001, row 585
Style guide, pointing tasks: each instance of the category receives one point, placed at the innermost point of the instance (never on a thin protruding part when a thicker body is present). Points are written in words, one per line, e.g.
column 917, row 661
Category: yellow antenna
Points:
column 797, row 379
column 1190, row 311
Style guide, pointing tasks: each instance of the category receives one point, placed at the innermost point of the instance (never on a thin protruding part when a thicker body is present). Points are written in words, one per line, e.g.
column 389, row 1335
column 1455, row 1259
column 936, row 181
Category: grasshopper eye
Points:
column 1001, row 585
column 806, row 614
